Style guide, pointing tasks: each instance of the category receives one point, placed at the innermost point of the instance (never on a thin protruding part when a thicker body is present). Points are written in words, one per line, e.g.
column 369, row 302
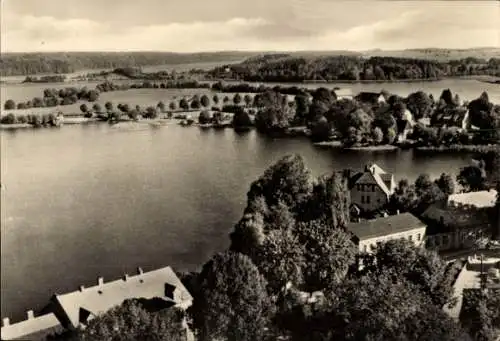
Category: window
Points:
column 373, row 188
column 419, row 236
column 410, row 237
column 367, row 199
column 362, row 199
column 445, row 240
column 365, row 248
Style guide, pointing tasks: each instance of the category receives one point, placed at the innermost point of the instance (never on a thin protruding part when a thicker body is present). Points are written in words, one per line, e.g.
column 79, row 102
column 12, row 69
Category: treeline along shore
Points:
column 333, row 117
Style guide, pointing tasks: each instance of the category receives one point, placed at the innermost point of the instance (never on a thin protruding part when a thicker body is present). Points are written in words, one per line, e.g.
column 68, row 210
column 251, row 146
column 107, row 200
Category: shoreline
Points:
column 480, row 78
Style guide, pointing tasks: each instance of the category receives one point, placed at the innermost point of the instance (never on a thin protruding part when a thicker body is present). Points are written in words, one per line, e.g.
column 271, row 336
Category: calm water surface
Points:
column 80, row 202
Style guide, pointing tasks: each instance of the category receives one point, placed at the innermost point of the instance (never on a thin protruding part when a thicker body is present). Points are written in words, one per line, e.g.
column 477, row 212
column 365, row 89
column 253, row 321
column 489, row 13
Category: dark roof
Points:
column 367, row 96
column 353, row 179
column 385, row 226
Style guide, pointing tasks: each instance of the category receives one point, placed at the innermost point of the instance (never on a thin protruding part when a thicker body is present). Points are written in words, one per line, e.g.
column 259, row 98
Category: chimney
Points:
column 31, row 315
column 139, row 271
column 6, row 321
column 100, row 281
column 81, row 288
column 125, row 277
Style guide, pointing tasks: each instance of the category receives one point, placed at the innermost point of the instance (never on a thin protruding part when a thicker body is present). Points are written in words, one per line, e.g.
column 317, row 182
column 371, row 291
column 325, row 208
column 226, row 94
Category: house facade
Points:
column 454, row 118
column 367, row 234
column 459, row 221
column 371, row 189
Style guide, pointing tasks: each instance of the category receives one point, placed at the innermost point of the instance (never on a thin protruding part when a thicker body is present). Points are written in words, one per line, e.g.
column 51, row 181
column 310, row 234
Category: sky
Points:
column 247, row 25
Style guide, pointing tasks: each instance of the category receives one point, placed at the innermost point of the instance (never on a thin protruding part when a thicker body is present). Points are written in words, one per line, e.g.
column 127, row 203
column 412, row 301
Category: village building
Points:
column 159, row 288
column 456, row 223
column 456, row 118
column 366, row 234
column 343, row 93
column 424, row 121
column 404, row 128
column 371, row 189
column 34, row 328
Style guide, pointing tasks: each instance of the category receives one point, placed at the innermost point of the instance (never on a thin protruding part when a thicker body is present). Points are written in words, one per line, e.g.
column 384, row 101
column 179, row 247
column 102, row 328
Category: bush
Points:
column 9, row 105
column 205, row 117
column 8, row 119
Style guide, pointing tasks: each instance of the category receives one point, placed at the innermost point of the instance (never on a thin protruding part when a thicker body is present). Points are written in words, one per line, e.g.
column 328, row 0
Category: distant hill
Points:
column 368, row 66
column 15, row 64
column 438, row 54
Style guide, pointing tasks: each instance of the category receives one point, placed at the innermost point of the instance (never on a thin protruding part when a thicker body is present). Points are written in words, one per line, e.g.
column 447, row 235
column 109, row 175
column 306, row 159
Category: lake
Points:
column 84, row 201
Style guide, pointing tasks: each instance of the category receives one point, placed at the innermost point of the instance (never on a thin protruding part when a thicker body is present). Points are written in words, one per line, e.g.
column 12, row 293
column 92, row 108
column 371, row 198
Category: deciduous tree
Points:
column 446, row 184
column 205, row 101
column 472, row 178
column 131, row 321
column 9, row 105
column 232, row 303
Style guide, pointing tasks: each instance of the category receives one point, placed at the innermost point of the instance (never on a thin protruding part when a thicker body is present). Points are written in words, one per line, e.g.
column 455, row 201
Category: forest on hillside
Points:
column 293, row 68
column 467, row 61
column 15, row 64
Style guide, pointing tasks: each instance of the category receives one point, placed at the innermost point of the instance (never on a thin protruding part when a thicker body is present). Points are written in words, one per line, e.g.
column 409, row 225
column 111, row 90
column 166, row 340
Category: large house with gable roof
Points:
column 160, row 289
column 372, row 188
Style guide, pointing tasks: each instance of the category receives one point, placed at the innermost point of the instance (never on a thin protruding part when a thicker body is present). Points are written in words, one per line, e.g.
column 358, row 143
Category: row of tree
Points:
column 54, row 97
column 36, row 120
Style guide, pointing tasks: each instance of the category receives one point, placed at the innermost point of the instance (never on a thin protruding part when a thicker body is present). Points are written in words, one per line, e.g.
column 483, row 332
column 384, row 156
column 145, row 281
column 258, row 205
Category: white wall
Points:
column 413, row 234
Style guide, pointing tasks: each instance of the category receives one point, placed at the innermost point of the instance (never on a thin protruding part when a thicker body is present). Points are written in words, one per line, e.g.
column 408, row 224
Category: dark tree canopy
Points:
column 288, row 181
column 84, row 108
column 183, row 104
column 472, row 178
column 9, row 105
column 419, row 266
column 446, row 184
column 161, row 106
column 480, row 314
column 232, row 302
column 205, row 117
column 205, row 101
column 131, row 321
column 329, row 252
column 237, row 99
column 108, row 106
column 419, row 104
column 97, row 108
